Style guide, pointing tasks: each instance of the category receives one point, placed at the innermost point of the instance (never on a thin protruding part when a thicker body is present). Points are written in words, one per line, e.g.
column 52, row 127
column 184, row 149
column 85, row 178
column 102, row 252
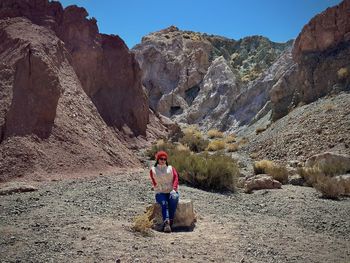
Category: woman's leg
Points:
column 173, row 201
column 162, row 199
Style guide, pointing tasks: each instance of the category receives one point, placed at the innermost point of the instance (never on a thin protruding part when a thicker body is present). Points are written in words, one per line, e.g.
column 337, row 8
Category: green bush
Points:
column 194, row 141
column 211, row 172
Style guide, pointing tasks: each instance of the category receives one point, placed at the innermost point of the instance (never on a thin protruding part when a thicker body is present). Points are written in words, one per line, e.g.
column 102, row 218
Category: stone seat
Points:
column 185, row 216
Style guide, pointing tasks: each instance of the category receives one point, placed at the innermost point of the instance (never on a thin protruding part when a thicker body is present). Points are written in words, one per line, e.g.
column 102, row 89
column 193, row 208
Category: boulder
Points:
column 261, row 181
column 185, row 216
column 340, row 162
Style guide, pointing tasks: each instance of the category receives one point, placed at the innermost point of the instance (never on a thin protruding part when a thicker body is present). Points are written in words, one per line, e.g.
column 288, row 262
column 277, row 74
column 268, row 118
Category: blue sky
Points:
column 279, row 20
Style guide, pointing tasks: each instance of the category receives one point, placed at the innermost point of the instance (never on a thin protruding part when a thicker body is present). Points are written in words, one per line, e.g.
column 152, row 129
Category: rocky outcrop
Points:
column 261, row 181
column 49, row 124
column 331, row 162
column 108, row 72
column 173, row 66
column 322, row 46
column 200, row 78
column 324, row 32
column 68, row 93
column 216, row 92
column 254, row 101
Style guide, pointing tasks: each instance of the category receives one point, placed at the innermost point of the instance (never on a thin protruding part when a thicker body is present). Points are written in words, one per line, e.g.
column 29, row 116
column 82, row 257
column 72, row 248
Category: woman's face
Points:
column 162, row 160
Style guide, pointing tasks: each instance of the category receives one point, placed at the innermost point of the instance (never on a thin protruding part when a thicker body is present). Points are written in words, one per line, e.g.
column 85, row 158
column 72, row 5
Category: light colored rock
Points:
column 217, row 91
column 16, row 187
column 341, row 162
column 194, row 78
column 173, row 67
column 261, row 181
column 253, row 102
column 185, row 216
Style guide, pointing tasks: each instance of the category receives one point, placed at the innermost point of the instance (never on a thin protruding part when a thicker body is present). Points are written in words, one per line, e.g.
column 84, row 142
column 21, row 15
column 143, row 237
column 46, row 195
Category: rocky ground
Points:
column 89, row 219
column 323, row 125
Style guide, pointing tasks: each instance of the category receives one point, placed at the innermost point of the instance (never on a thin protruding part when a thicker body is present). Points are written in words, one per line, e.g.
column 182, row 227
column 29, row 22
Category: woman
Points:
column 165, row 182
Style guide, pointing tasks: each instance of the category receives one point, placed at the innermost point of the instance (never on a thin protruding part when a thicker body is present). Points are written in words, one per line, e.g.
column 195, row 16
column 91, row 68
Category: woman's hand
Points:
column 173, row 194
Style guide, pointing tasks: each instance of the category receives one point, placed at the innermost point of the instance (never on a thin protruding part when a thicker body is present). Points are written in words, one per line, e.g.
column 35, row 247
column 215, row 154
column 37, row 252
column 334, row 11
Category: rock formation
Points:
column 321, row 52
column 67, row 93
column 108, row 72
column 197, row 78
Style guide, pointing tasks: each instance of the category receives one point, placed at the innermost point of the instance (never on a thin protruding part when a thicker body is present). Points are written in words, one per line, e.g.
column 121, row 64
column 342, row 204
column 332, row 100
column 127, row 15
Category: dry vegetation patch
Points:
column 216, row 145
column 214, row 133
column 277, row 172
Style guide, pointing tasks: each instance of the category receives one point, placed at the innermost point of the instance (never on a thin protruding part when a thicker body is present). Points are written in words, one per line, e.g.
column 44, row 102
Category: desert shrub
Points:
column 309, row 175
column 216, row 145
column 254, row 155
column 232, row 147
column 194, row 140
column 180, row 147
column 329, row 187
column 320, row 177
column 143, row 223
column 210, row 172
column 343, row 73
column 230, row 138
column 243, row 141
column 161, row 145
column 346, row 184
column 277, row 172
column 328, row 107
column 260, row 130
column 260, row 167
column 214, row 133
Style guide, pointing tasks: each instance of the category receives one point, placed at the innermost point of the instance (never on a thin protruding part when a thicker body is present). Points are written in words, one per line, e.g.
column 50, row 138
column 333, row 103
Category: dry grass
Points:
column 214, row 133
column 343, row 73
column 230, row 138
column 320, row 177
column 243, row 141
column 328, row 107
column 329, row 187
column 216, row 145
column 232, row 147
column 182, row 148
column 277, row 172
column 194, row 140
column 254, row 155
column 143, row 223
column 260, row 130
column 261, row 167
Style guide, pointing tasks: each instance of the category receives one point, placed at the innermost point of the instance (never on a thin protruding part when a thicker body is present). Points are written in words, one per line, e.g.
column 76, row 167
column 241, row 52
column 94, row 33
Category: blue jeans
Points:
column 168, row 205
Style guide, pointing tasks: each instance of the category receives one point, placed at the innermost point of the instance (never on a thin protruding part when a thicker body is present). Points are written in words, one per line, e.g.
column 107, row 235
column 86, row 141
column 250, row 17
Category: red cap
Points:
column 161, row 154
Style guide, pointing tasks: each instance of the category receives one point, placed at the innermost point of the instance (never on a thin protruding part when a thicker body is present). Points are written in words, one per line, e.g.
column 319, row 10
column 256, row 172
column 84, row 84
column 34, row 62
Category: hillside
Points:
column 63, row 108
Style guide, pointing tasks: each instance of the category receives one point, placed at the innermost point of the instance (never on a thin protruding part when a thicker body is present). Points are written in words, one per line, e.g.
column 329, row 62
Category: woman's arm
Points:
column 175, row 179
column 154, row 183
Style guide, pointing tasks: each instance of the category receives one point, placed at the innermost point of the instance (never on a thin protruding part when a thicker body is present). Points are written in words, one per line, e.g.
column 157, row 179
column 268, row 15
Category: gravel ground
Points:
column 89, row 219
